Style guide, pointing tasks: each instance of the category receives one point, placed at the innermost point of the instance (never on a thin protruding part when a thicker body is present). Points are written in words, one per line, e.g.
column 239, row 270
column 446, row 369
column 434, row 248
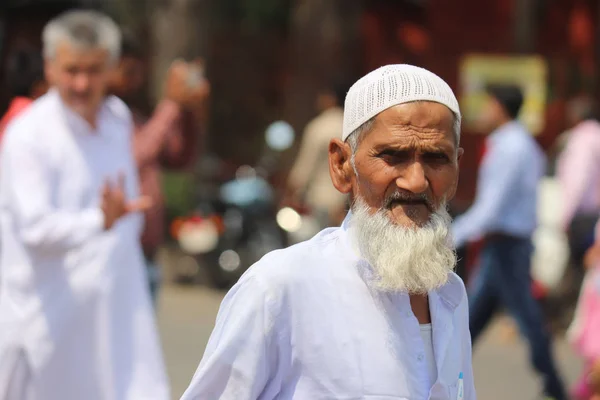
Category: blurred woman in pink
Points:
column 584, row 332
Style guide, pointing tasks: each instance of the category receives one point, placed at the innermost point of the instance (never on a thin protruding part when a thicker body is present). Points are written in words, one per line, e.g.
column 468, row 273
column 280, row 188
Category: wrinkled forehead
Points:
column 423, row 119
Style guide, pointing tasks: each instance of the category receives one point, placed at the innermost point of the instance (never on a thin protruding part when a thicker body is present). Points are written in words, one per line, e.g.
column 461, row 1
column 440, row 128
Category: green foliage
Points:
column 178, row 190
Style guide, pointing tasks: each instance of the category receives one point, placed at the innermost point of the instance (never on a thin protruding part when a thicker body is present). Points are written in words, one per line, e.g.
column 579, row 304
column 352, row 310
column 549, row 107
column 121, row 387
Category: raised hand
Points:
column 115, row 205
column 187, row 86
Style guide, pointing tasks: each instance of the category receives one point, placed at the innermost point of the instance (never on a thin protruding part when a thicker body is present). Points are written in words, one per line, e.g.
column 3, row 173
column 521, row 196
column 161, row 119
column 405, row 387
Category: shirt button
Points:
column 420, row 357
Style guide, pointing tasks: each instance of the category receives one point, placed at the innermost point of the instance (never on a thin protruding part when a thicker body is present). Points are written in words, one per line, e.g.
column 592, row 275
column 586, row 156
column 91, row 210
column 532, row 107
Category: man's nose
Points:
column 413, row 179
column 82, row 82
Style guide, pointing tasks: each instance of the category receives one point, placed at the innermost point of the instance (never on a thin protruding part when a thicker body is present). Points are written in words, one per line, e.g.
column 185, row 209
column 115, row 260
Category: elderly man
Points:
column 76, row 320
column 371, row 309
column 504, row 214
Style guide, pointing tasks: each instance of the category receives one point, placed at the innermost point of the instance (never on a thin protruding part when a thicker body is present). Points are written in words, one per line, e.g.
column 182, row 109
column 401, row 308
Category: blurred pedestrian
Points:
column 579, row 178
column 76, row 320
column 371, row 309
column 168, row 139
column 504, row 214
column 309, row 183
column 584, row 332
column 24, row 80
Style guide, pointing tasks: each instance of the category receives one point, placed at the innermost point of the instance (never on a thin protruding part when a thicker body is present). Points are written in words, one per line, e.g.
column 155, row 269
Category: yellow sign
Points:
column 528, row 72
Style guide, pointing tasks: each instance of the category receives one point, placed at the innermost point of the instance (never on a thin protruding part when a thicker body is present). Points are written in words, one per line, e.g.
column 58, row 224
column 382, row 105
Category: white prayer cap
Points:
column 391, row 85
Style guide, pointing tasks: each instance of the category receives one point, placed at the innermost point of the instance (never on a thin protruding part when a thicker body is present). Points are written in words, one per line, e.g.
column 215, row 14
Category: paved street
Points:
column 186, row 317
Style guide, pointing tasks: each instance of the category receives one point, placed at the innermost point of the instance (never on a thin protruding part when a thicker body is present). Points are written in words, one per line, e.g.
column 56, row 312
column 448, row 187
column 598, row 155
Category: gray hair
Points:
column 357, row 136
column 84, row 29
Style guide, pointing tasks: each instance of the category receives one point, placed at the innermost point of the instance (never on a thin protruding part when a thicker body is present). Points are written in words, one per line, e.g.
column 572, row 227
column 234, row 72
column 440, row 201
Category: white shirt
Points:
column 74, row 299
column 304, row 324
column 506, row 198
column 427, row 337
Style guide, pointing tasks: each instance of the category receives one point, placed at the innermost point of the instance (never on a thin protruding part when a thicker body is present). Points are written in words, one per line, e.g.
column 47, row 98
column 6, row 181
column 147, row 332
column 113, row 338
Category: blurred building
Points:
column 267, row 59
column 438, row 34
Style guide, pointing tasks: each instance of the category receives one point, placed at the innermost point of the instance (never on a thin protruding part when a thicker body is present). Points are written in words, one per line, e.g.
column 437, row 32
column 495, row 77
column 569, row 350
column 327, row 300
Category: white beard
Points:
column 412, row 260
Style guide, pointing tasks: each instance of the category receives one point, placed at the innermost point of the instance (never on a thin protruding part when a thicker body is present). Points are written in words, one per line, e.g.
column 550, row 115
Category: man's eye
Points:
column 436, row 157
column 389, row 157
column 94, row 70
column 389, row 154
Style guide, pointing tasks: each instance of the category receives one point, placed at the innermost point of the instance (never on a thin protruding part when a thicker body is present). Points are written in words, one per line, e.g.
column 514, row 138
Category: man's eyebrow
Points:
column 441, row 148
column 436, row 149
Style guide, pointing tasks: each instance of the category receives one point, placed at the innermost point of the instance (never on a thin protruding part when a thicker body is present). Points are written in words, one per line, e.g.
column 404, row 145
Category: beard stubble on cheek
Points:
column 413, row 259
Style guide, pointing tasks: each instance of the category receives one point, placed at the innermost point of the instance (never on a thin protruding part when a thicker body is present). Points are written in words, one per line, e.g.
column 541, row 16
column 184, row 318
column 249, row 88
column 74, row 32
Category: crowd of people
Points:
column 368, row 308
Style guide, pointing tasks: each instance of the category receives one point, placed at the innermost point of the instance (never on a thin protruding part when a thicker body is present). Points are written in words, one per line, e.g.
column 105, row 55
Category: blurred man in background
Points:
column 168, row 139
column 579, row 178
column 309, row 183
column 76, row 320
column 504, row 214
column 24, row 80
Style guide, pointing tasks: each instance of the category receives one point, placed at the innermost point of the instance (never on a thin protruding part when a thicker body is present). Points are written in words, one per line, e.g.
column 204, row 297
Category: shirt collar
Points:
column 451, row 292
column 78, row 124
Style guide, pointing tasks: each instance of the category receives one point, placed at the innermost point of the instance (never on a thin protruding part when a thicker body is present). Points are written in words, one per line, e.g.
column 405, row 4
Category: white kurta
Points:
column 74, row 305
column 304, row 324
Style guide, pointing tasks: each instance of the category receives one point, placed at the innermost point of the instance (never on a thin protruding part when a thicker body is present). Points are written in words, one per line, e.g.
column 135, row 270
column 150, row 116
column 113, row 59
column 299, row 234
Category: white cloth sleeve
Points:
column 27, row 179
column 241, row 359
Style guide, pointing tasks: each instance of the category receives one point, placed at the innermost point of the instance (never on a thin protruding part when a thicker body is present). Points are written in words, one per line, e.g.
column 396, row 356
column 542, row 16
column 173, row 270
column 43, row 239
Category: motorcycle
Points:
column 237, row 227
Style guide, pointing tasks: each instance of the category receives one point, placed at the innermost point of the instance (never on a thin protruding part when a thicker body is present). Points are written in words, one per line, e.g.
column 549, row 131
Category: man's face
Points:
column 407, row 164
column 492, row 115
column 127, row 79
column 81, row 77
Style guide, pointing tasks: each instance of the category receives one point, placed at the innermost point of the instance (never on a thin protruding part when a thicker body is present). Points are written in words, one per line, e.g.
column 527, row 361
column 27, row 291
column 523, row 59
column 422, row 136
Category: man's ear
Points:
column 454, row 187
column 340, row 166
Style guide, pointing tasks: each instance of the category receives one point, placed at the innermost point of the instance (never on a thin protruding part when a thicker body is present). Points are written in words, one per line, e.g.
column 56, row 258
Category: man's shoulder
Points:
column 23, row 128
column 519, row 143
column 585, row 136
column 328, row 123
column 117, row 108
column 298, row 264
